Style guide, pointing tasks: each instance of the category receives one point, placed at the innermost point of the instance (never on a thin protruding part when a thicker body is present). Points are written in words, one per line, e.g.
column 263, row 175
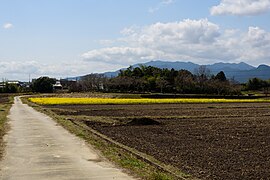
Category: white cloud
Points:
column 186, row 31
column 121, row 55
column 14, row 70
column 8, row 26
column 257, row 37
column 173, row 40
column 160, row 5
column 200, row 41
column 258, row 41
column 241, row 7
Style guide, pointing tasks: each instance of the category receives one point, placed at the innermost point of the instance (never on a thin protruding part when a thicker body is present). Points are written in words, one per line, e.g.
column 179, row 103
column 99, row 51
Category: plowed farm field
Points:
column 208, row 141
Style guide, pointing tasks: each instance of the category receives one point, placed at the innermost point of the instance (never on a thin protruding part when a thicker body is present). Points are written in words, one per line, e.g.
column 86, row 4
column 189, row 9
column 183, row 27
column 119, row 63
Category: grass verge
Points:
column 5, row 104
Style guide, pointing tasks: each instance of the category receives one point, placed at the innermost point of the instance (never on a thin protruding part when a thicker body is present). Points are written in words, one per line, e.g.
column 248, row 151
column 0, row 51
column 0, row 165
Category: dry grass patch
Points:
column 5, row 104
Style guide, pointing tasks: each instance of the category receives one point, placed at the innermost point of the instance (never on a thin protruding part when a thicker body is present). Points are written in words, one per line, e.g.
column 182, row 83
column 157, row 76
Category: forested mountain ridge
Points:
column 240, row 72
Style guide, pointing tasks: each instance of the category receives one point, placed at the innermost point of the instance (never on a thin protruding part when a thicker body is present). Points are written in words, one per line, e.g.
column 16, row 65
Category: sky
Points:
column 66, row 38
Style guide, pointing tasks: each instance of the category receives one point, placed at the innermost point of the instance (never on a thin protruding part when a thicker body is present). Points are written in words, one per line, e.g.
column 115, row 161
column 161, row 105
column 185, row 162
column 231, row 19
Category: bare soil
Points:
column 208, row 141
column 248, row 109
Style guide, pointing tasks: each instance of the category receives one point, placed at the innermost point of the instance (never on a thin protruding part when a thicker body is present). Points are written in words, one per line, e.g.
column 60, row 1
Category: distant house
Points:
column 13, row 82
column 18, row 83
column 2, row 84
column 57, row 86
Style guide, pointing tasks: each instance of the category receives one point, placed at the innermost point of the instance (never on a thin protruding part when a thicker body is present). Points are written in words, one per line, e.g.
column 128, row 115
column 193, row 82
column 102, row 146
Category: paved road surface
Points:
column 37, row 148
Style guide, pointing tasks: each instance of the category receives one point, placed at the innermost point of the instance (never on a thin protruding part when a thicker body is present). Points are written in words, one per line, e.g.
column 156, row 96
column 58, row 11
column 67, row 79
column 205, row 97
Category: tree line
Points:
column 156, row 80
column 41, row 85
column 256, row 84
column 149, row 79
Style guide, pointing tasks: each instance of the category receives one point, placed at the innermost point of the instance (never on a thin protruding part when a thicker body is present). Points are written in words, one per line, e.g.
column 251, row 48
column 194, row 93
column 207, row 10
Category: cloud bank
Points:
column 199, row 41
column 241, row 7
column 15, row 70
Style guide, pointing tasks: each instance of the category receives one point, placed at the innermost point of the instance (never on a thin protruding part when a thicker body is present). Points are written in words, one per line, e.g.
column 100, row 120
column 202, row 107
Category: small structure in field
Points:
column 57, row 86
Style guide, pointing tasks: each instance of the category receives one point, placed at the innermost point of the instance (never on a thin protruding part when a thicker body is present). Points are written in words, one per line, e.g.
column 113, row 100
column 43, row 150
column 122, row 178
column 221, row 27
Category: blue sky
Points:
column 62, row 38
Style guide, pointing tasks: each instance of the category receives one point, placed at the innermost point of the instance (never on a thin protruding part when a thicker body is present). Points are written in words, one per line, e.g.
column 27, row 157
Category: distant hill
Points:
column 169, row 65
column 161, row 64
column 217, row 67
column 262, row 72
column 241, row 72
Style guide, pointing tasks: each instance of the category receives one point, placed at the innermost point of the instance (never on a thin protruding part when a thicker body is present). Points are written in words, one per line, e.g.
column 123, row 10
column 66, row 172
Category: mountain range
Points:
column 240, row 72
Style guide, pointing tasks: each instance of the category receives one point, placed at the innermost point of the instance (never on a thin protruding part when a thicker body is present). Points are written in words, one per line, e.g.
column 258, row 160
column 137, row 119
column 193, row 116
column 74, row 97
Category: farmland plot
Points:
column 209, row 141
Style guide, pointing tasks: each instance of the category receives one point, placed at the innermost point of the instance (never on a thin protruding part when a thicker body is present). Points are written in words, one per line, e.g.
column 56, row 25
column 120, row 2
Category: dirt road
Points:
column 37, row 148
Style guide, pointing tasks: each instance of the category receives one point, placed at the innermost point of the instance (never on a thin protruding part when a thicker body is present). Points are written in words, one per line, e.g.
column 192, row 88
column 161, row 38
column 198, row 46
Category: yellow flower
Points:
column 61, row 101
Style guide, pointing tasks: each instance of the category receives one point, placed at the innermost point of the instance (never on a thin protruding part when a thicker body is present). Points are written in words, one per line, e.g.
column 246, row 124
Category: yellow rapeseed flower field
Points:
column 62, row 101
